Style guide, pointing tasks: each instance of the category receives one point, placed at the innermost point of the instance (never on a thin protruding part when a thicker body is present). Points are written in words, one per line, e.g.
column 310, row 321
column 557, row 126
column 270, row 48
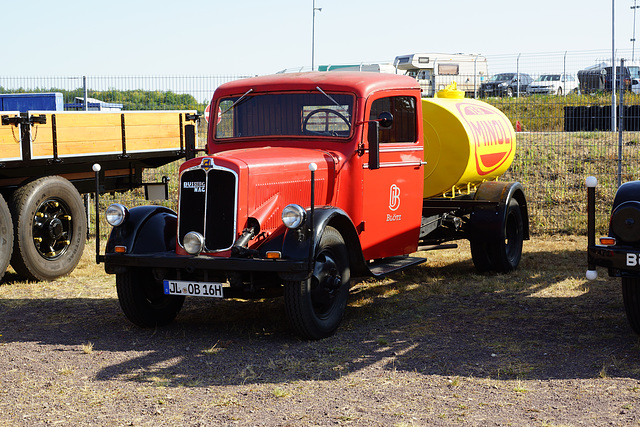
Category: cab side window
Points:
column 403, row 109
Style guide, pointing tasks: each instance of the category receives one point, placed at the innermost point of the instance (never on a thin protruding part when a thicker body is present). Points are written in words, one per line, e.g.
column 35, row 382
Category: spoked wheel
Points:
column 315, row 306
column 143, row 301
column 50, row 228
column 6, row 236
column 631, row 299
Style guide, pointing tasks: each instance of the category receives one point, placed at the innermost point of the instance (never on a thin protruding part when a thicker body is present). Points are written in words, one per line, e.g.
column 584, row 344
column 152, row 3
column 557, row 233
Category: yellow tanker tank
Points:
column 466, row 142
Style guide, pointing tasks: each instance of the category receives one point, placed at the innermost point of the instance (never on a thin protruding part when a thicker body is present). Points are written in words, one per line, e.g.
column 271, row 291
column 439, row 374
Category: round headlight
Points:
column 193, row 243
column 116, row 214
column 293, row 216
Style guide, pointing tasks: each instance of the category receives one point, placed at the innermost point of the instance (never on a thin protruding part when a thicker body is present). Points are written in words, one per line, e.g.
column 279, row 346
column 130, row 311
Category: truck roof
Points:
column 362, row 83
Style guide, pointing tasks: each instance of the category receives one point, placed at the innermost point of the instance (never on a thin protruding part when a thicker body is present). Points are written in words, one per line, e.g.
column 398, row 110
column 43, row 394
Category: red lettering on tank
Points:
column 491, row 137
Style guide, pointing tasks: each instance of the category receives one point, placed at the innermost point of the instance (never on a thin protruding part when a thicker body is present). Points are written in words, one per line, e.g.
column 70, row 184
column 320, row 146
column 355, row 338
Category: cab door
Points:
column 392, row 188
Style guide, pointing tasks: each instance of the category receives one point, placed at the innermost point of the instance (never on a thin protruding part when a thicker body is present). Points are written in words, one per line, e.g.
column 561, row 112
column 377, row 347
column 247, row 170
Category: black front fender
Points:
column 300, row 245
column 148, row 229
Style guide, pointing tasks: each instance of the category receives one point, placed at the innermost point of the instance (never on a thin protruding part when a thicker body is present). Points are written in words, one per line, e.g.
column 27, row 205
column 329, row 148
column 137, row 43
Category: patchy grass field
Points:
column 436, row 345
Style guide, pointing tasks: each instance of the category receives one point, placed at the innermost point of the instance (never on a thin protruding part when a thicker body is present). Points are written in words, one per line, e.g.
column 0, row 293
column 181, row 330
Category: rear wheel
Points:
column 505, row 254
column 6, row 236
column 50, row 228
column 480, row 255
column 143, row 301
column 315, row 306
column 559, row 91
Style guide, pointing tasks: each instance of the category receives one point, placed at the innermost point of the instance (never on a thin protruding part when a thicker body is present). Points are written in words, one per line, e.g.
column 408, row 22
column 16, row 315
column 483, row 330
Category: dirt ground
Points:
column 436, row 345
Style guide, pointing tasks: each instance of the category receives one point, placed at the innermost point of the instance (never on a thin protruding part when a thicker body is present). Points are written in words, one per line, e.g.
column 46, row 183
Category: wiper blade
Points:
column 239, row 100
column 342, row 107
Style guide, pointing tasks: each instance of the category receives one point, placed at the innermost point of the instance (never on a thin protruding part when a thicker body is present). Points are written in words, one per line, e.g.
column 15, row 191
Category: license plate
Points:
column 196, row 289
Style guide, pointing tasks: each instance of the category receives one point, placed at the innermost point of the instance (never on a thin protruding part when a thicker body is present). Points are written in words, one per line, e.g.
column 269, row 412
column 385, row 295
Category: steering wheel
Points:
column 326, row 131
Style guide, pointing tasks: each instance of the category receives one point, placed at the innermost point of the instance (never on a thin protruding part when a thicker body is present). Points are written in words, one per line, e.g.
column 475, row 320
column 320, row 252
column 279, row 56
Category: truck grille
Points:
column 208, row 206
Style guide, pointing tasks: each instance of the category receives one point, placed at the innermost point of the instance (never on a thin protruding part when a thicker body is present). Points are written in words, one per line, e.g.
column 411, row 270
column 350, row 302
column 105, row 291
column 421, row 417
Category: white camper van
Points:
column 434, row 71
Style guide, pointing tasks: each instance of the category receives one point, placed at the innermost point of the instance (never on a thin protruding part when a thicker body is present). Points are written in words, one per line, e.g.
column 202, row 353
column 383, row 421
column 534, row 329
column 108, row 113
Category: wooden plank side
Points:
column 89, row 133
column 10, row 139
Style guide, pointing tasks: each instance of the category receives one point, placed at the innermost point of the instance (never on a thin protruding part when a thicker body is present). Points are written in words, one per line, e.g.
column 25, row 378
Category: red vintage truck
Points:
column 312, row 179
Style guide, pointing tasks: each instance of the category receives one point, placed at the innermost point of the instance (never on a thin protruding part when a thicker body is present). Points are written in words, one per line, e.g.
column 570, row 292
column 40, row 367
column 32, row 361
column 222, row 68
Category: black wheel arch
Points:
column 295, row 247
column 487, row 223
column 148, row 229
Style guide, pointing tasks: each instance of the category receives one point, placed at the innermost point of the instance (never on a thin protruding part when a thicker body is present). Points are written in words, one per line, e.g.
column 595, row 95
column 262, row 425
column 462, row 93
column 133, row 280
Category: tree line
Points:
column 130, row 99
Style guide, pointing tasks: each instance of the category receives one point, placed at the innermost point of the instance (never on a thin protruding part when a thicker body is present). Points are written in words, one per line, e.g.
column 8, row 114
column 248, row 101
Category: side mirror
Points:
column 385, row 119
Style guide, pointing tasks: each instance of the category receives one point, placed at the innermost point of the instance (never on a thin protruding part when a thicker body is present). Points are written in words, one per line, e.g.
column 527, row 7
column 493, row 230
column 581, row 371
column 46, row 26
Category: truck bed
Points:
column 41, row 143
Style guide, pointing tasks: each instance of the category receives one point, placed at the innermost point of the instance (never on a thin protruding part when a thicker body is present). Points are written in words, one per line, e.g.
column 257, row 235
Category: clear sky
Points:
column 162, row 37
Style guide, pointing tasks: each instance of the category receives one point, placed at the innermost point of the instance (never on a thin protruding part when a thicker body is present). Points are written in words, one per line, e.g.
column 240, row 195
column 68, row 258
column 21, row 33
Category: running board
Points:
column 436, row 247
column 385, row 266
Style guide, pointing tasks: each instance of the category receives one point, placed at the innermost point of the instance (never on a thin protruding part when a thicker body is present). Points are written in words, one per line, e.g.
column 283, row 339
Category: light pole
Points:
column 633, row 39
column 313, row 35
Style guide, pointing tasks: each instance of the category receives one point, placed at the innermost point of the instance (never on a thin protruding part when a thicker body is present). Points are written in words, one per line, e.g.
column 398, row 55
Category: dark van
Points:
column 600, row 78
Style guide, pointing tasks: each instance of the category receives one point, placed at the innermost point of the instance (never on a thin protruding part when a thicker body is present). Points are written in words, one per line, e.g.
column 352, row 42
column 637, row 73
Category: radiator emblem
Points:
column 206, row 164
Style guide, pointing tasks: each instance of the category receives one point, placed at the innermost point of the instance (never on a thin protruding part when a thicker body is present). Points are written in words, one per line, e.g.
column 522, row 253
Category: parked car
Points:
column 599, row 78
column 506, row 84
column 553, row 84
column 634, row 71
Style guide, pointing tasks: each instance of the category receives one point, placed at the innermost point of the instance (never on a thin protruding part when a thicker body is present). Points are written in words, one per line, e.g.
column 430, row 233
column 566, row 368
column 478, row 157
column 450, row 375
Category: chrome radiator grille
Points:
column 208, row 205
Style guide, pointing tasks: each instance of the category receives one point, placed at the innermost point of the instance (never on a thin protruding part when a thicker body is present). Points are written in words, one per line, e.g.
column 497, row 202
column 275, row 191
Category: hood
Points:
column 269, row 178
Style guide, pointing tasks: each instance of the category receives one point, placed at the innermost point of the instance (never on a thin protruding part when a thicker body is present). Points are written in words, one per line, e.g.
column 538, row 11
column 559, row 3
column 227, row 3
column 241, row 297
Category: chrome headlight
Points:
column 193, row 243
column 116, row 214
column 293, row 216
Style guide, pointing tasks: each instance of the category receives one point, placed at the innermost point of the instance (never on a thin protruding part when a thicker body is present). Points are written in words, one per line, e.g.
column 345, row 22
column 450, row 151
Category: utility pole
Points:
column 633, row 39
column 613, row 67
column 313, row 36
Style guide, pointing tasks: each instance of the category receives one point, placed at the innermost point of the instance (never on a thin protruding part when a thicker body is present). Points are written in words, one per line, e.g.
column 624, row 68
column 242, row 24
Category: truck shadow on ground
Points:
column 445, row 320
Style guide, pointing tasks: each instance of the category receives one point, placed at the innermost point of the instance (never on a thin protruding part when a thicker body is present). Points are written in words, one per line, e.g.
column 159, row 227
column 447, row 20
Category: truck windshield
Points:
column 317, row 114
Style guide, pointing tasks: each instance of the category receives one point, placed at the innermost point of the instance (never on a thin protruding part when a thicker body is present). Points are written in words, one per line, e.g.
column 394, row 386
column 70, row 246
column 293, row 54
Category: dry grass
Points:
column 438, row 343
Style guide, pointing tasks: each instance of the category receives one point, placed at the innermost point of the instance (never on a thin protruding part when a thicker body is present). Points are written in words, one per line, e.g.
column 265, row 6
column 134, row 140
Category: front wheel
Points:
column 315, row 306
column 143, row 301
column 631, row 299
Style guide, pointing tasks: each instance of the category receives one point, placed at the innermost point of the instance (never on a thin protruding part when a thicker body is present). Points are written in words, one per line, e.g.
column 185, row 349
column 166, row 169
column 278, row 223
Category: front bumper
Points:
column 540, row 90
column 116, row 263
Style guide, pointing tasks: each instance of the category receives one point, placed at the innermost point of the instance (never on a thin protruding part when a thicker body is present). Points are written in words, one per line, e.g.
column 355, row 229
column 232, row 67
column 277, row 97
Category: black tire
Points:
column 480, row 256
column 505, row 254
column 631, row 299
column 510, row 92
column 6, row 236
column 559, row 91
column 50, row 228
column 315, row 307
column 143, row 301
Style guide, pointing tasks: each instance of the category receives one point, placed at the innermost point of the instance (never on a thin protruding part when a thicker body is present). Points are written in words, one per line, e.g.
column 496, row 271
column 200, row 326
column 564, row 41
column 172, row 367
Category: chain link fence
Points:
column 562, row 137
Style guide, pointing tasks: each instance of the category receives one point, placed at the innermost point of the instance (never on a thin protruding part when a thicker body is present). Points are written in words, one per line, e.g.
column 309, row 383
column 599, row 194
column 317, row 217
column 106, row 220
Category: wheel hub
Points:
column 55, row 228
column 325, row 282
column 52, row 229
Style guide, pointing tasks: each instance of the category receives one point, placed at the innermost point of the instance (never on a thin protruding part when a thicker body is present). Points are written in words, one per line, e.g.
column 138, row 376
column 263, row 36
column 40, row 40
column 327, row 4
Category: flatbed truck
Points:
column 46, row 163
